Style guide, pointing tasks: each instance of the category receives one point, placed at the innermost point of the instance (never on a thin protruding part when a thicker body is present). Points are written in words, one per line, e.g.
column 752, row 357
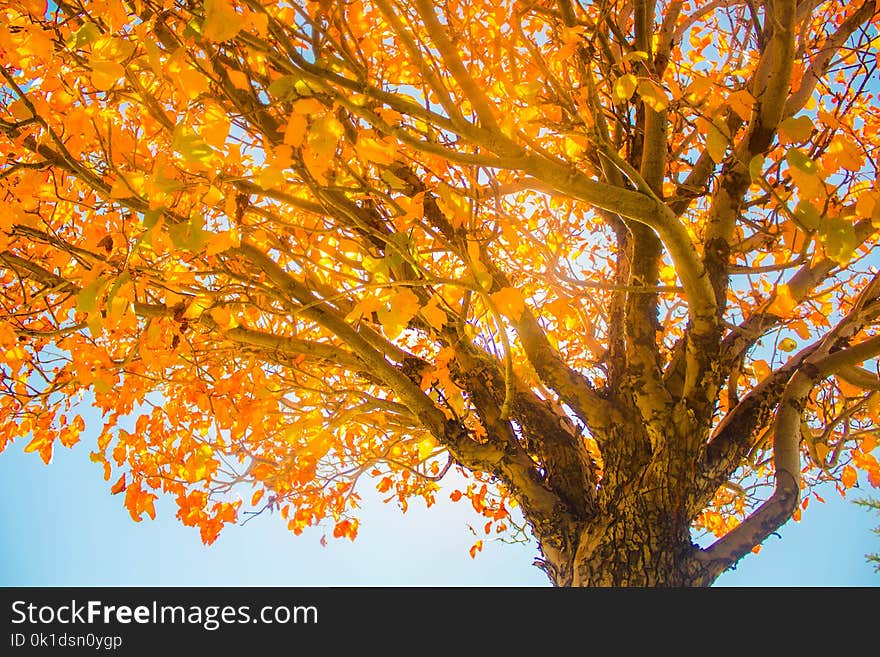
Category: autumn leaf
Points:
column 433, row 314
column 783, row 304
column 346, row 529
column 845, row 153
column 510, row 302
column 119, row 486
column 742, row 102
column 717, row 142
column 625, row 87
column 378, row 151
column 478, row 251
column 222, row 23
column 849, row 477
column 652, row 94
column 296, row 130
column 403, row 306
column 106, row 74
column 795, row 130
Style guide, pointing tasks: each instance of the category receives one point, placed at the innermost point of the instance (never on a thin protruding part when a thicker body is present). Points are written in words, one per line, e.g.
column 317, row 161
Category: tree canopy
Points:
column 615, row 262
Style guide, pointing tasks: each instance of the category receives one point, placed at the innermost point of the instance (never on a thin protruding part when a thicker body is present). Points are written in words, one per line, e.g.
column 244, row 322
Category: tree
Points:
column 872, row 504
column 614, row 261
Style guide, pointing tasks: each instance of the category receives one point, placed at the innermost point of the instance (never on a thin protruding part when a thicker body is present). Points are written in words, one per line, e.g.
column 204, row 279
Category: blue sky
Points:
column 61, row 527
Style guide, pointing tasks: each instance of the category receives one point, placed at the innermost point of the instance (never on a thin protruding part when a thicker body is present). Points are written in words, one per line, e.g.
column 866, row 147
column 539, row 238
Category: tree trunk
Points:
column 638, row 531
column 634, row 545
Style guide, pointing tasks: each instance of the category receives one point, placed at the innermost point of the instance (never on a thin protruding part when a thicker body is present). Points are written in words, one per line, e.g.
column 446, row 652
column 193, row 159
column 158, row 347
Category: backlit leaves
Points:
column 795, row 129
column 625, row 87
column 401, row 209
column 401, row 308
column 509, row 302
column 221, row 21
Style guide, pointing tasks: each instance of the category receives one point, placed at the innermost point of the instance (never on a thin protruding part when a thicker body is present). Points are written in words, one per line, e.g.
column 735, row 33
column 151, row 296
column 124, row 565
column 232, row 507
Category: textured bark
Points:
column 638, row 531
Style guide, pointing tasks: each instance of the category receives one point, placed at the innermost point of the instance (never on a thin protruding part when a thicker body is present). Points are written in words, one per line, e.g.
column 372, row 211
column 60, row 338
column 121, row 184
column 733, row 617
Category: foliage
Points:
column 608, row 260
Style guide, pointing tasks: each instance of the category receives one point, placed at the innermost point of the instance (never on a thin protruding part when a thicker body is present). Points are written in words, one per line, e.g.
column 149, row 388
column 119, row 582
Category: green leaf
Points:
column 393, row 181
column 716, row 143
column 756, row 167
column 290, row 87
column 87, row 299
column 85, row 35
column 636, row 54
column 839, row 239
column 190, row 236
column 374, row 265
column 165, row 184
column 284, row 88
column 807, row 215
column 798, row 159
column 151, row 218
column 121, row 280
column 192, row 147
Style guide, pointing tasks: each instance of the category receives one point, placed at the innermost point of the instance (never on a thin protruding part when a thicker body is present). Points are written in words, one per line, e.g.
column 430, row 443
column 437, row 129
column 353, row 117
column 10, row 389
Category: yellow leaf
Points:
column 795, row 129
column 402, row 307
column 426, row 447
column 653, row 95
column 868, row 205
column 269, row 177
column 197, row 307
column 845, row 153
column 742, row 103
column 625, row 87
column 374, row 150
column 223, row 317
column 221, row 21
column 324, row 136
column 716, row 142
column 434, row 315
column 105, row 74
column 509, row 302
column 787, row 344
column 112, row 49
column 215, row 125
column 308, row 106
column 802, row 329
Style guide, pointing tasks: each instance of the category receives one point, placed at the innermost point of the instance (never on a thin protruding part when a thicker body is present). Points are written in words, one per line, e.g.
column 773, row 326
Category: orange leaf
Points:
column 119, row 486
column 295, row 132
column 849, row 477
column 783, row 304
column 509, row 302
